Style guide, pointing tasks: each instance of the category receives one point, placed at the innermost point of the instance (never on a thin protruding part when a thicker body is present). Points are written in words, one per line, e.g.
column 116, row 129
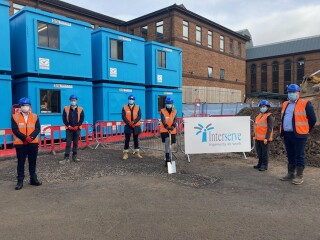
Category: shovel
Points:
column 171, row 164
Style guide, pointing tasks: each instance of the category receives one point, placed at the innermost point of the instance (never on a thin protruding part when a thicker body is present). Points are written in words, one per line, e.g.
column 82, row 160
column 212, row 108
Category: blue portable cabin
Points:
column 46, row 44
column 163, row 65
column 108, row 100
column 5, row 68
column 5, row 64
column 50, row 96
column 155, row 100
column 117, row 57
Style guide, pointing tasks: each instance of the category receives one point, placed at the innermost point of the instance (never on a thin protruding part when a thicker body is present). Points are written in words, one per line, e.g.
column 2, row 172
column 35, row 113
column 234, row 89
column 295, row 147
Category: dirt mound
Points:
column 277, row 150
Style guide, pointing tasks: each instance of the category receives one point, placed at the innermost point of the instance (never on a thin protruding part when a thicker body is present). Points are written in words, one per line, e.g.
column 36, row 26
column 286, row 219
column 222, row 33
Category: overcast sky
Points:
column 267, row 20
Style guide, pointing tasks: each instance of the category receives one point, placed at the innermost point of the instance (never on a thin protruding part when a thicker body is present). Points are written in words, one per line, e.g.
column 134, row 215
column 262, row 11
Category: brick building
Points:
column 272, row 67
column 214, row 57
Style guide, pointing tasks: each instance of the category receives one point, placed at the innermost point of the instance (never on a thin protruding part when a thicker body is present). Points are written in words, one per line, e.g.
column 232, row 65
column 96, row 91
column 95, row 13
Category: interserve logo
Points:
column 204, row 131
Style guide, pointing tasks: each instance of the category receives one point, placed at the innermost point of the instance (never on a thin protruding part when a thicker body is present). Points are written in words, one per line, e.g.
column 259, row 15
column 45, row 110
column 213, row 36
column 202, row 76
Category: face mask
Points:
column 25, row 109
column 292, row 96
column 131, row 101
column 73, row 103
column 263, row 109
column 169, row 106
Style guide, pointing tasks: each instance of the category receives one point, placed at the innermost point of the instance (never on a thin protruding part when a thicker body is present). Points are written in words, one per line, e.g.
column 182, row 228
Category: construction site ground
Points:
column 216, row 196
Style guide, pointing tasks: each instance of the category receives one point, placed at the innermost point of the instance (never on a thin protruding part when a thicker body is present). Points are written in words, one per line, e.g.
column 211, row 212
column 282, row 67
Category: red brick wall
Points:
column 312, row 64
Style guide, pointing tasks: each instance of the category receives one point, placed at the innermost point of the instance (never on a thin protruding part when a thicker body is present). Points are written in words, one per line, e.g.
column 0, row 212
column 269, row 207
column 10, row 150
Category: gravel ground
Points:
column 216, row 196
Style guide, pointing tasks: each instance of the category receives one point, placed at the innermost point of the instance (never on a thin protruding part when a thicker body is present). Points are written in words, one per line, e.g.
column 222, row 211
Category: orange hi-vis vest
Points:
column 67, row 110
column 300, row 116
column 132, row 114
column 25, row 127
column 261, row 127
column 169, row 120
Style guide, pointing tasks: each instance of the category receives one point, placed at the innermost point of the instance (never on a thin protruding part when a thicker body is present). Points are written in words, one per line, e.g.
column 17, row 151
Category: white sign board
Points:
column 47, row 131
column 44, row 63
column 159, row 78
column 217, row 134
column 113, row 72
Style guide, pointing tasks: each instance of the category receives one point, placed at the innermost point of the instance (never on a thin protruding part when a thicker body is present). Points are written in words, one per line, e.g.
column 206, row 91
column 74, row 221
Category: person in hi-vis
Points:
column 26, row 127
column 168, row 124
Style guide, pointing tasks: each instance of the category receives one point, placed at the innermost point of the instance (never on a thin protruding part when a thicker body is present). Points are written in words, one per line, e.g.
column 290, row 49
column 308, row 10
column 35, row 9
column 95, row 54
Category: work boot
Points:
column 65, row 160
column 35, row 182
column 125, row 154
column 137, row 153
column 74, row 158
column 19, row 185
column 256, row 166
column 290, row 174
column 263, row 168
column 299, row 178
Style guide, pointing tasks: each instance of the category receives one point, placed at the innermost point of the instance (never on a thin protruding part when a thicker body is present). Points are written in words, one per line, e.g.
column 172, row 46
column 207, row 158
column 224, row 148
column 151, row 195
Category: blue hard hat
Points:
column 293, row 88
column 24, row 100
column 131, row 97
column 264, row 102
column 73, row 96
column 169, row 100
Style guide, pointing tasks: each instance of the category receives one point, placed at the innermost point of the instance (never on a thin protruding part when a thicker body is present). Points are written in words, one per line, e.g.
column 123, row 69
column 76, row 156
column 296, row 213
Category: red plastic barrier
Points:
column 6, row 152
column 55, row 140
column 149, row 128
column 108, row 132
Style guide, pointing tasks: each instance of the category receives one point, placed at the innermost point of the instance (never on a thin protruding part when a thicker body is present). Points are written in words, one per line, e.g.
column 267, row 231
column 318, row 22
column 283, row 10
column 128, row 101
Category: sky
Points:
column 268, row 21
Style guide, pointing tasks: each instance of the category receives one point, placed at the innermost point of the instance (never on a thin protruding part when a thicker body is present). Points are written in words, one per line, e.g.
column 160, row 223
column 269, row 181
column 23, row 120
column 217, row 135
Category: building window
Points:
column 198, row 35
column 239, row 49
column 222, row 74
column 159, row 26
column 50, row 101
column 210, row 72
column 209, row 39
column 253, row 73
column 17, row 8
column 131, row 31
column 116, row 49
column 264, row 77
column 275, row 77
column 48, row 35
column 221, row 43
column 300, row 70
column 185, row 30
column 144, row 32
column 287, row 74
column 161, row 59
column 231, row 47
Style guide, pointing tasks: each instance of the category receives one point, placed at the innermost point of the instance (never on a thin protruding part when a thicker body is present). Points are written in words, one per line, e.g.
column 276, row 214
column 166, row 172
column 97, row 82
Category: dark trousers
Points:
column 72, row 137
column 295, row 149
column 263, row 153
column 127, row 140
column 30, row 151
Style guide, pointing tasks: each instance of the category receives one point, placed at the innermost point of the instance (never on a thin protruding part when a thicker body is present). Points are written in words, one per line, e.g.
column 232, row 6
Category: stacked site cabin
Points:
column 51, row 59
column 118, row 62
column 163, row 77
column 5, row 68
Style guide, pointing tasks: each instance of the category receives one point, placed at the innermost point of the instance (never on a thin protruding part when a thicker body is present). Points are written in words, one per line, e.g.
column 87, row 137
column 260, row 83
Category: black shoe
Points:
column 263, row 168
column 19, row 185
column 35, row 182
column 75, row 159
column 256, row 166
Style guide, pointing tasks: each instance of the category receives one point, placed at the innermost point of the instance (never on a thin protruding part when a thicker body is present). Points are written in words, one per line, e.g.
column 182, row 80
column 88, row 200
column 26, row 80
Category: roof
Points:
column 300, row 45
column 82, row 11
column 183, row 10
column 36, row 11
